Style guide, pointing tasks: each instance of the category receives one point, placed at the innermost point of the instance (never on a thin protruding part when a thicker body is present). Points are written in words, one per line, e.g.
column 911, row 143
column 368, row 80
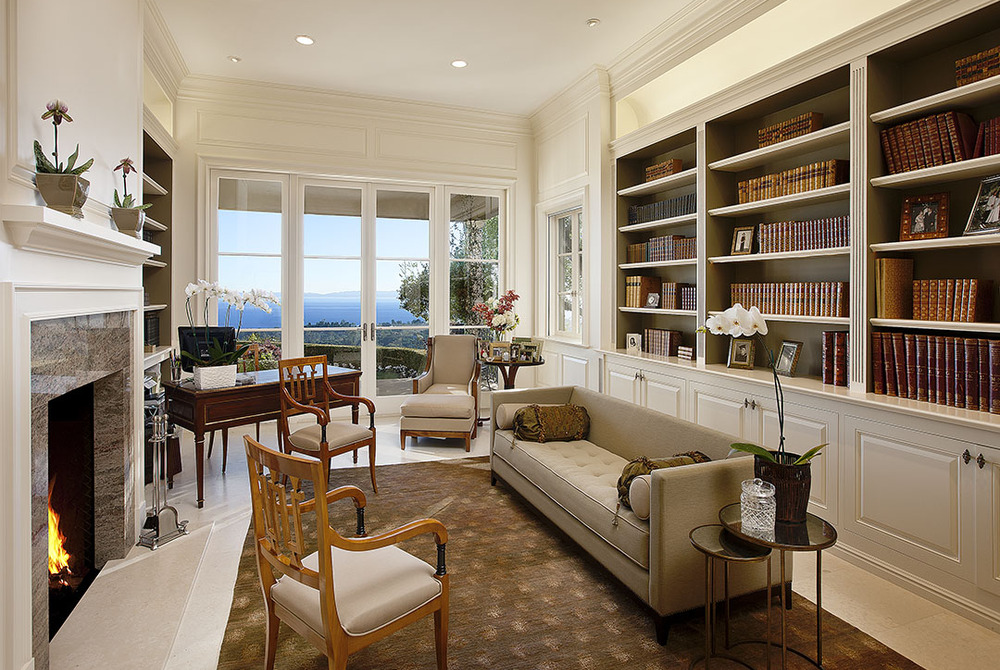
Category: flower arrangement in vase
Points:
column 127, row 213
column 498, row 314
column 789, row 473
column 216, row 366
column 61, row 185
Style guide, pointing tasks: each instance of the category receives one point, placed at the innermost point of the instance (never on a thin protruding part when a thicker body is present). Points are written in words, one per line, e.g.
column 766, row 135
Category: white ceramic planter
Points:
column 215, row 377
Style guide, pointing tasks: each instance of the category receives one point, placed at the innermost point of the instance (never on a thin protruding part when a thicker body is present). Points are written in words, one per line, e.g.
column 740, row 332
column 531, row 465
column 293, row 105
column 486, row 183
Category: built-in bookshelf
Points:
column 158, row 149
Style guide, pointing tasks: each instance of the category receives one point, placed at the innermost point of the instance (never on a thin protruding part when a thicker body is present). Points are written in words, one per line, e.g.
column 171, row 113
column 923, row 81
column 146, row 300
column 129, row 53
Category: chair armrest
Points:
column 338, row 493
column 321, row 416
column 353, row 400
column 412, row 529
column 423, row 382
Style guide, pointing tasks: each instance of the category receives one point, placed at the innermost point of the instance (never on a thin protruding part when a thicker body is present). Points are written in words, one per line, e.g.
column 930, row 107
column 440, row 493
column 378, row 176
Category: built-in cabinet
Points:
column 650, row 388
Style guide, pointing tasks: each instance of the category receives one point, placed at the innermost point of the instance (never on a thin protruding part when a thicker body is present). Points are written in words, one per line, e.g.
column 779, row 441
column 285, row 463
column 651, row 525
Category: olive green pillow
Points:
column 536, row 423
column 643, row 466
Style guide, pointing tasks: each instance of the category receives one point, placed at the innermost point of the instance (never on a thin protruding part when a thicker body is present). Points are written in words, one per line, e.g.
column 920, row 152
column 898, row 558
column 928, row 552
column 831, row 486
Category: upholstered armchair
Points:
column 445, row 400
column 350, row 592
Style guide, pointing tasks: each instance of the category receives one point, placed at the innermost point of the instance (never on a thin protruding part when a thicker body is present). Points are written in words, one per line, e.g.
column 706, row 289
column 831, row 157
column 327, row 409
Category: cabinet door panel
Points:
column 911, row 492
column 721, row 410
column 574, row 371
column 664, row 393
column 622, row 383
column 988, row 520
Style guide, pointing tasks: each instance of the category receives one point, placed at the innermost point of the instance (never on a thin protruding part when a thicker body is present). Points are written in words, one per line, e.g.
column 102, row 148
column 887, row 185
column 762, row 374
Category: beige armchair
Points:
column 445, row 400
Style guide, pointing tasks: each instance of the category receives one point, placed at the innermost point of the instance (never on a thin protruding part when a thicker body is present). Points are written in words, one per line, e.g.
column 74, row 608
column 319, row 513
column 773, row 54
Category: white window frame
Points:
column 545, row 216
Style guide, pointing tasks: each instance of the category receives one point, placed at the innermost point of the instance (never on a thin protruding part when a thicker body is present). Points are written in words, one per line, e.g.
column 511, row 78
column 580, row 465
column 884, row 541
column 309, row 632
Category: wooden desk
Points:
column 204, row 411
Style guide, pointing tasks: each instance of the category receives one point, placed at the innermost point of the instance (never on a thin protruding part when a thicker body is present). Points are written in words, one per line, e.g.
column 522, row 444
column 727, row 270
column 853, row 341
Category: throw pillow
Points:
column 638, row 496
column 505, row 413
column 644, row 465
column 535, row 423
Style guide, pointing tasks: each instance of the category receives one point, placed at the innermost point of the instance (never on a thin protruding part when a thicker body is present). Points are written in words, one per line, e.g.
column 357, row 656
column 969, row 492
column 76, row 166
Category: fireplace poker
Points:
column 161, row 524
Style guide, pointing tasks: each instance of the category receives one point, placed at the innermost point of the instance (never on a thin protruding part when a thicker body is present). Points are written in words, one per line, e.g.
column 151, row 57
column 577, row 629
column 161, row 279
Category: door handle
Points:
column 364, row 332
column 966, row 457
column 980, row 461
column 372, row 331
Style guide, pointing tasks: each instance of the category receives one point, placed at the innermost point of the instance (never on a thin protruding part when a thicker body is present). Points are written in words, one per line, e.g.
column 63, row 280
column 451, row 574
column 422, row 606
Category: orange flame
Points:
column 58, row 556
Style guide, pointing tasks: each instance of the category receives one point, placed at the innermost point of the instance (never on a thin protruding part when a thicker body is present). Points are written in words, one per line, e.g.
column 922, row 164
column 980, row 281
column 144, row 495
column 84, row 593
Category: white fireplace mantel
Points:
column 35, row 228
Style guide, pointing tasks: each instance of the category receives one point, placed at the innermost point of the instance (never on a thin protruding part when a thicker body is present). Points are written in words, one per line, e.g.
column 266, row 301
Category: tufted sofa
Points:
column 574, row 485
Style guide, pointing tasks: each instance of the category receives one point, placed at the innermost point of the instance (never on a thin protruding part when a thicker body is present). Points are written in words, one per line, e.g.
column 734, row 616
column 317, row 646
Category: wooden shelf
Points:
column 783, row 255
column 940, row 243
column 828, row 194
column 682, row 178
column 682, row 220
column 819, row 139
column 656, row 310
column 940, row 174
column 914, row 324
column 150, row 187
column 154, row 225
column 150, row 263
column 153, row 308
column 155, row 357
column 658, row 264
column 978, row 93
column 789, row 318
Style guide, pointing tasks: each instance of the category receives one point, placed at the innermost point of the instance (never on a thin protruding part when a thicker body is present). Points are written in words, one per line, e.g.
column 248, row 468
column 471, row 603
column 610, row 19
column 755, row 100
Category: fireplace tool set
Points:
column 161, row 524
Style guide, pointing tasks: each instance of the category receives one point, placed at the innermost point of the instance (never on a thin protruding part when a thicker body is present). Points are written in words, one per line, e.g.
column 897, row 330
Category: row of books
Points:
column 803, row 124
column 665, row 248
column 151, row 329
column 663, row 209
column 638, row 288
column 953, row 371
column 977, row 67
column 678, row 296
column 685, row 353
column 988, row 138
column 661, row 342
column 664, row 169
column 835, row 357
column 967, row 300
column 794, row 180
column 937, row 139
column 805, row 235
column 797, row 298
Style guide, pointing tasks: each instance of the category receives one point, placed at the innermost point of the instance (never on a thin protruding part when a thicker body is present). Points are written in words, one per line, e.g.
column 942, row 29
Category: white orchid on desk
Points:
column 258, row 298
column 737, row 321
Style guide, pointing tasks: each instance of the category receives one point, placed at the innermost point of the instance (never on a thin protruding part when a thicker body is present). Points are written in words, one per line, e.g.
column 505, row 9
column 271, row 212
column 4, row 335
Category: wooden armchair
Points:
column 305, row 389
column 351, row 592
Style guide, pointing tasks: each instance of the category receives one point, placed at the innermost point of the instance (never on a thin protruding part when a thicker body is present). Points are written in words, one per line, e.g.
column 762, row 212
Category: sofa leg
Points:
column 493, row 478
column 662, row 625
column 402, row 441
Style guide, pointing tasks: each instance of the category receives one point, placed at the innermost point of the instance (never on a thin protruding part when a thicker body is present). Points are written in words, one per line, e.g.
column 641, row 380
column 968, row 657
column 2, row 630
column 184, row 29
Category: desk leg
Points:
column 819, row 608
column 199, row 458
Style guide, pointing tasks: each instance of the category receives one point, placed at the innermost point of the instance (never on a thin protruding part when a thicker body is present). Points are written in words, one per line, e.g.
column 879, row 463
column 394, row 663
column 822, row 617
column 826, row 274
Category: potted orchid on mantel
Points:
column 215, row 366
column 61, row 185
column 789, row 473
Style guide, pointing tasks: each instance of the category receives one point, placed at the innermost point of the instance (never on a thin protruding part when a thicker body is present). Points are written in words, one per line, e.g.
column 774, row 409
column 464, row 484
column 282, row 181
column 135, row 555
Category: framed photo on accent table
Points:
column 742, row 241
column 985, row 214
column 788, row 358
column 500, row 351
column 924, row 217
column 741, row 351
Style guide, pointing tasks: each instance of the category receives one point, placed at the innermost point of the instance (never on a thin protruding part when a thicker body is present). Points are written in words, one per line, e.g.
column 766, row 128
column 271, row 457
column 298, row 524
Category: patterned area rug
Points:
column 523, row 595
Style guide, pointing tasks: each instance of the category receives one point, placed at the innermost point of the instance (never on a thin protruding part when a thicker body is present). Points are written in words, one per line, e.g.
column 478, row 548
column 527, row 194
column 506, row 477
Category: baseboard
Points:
column 949, row 600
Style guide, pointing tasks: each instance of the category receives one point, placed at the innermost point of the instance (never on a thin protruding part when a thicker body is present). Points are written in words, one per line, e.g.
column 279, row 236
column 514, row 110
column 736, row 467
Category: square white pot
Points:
column 214, row 377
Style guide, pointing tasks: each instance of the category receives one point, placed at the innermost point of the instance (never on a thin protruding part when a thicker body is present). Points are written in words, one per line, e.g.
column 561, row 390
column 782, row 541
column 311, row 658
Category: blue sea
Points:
column 330, row 307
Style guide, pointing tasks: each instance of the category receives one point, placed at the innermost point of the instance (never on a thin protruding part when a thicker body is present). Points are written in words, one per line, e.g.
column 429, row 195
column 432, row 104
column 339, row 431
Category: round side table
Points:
column 508, row 369
column 718, row 544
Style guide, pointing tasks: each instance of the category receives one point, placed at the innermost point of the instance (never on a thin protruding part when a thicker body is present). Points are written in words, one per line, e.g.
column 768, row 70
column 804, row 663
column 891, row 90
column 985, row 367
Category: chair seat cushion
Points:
column 371, row 589
column 448, row 389
column 437, row 406
column 338, row 434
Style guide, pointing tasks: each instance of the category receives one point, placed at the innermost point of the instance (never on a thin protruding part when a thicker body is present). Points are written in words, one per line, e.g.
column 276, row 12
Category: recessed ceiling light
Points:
column 235, row 59
column 458, row 63
column 593, row 23
column 304, row 40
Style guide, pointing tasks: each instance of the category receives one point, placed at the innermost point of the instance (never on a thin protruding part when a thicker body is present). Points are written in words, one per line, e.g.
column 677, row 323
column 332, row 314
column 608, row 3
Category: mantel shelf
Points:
column 45, row 230
column 658, row 264
column 683, row 178
column 940, row 243
column 838, row 192
column 961, row 326
column 682, row 220
column 657, row 310
column 783, row 255
column 940, row 174
column 819, row 139
column 986, row 91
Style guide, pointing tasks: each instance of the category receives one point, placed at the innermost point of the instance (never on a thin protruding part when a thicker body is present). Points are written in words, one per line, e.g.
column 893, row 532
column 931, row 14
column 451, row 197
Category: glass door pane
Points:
column 402, row 289
column 332, row 301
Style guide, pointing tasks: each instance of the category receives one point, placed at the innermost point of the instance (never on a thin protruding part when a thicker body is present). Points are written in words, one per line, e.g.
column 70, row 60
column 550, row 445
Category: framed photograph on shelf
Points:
column 653, row 300
column 742, row 241
column 985, row 214
column 633, row 343
column 500, row 351
column 788, row 358
column 924, row 217
column 741, row 350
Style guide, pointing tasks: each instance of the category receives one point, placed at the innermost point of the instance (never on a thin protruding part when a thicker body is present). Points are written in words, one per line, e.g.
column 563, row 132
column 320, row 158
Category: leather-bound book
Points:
column 949, row 369
column 949, row 300
column 984, row 375
column 895, row 288
column 910, row 342
column 921, row 355
column 899, row 352
column 931, row 369
column 971, row 373
column 959, row 373
column 828, row 357
column 941, row 369
column 840, row 358
column 994, row 376
column 878, row 365
column 889, row 356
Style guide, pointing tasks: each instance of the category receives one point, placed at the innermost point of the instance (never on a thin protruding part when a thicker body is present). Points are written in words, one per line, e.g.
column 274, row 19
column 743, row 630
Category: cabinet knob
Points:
column 980, row 461
column 636, row 375
column 966, row 457
column 746, row 402
column 753, row 404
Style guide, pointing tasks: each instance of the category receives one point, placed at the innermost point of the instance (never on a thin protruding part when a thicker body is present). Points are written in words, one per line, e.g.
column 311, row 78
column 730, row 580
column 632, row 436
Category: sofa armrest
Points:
column 553, row 395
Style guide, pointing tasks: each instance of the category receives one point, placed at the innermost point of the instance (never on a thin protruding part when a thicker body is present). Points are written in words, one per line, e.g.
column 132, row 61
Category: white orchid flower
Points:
column 192, row 290
column 743, row 323
column 758, row 324
column 720, row 324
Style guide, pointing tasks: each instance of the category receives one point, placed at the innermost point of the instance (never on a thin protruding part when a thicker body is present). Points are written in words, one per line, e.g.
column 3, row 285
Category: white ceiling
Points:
column 520, row 52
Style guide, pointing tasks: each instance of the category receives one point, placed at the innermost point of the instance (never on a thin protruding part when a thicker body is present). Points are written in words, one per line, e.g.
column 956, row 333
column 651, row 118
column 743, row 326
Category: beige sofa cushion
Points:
column 338, row 434
column 638, row 496
column 581, row 477
column 435, row 406
column 372, row 589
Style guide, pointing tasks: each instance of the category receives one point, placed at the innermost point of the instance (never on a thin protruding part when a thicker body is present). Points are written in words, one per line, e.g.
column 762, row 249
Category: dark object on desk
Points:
column 196, row 342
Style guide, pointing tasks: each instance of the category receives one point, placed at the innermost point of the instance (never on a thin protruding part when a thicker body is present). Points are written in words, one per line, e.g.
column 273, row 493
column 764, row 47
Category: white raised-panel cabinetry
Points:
column 655, row 390
column 725, row 410
column 987, row 462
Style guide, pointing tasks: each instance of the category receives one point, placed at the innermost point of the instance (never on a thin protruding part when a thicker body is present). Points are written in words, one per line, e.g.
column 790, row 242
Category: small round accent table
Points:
column 508, row 369
column 813, row 534
column 718, row 544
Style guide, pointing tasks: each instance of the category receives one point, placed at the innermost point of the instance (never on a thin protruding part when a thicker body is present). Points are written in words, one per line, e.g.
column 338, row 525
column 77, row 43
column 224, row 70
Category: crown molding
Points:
column 160, row 51
column 879, row 33
column 211, row 89
column 697, row 25
column 595, row 83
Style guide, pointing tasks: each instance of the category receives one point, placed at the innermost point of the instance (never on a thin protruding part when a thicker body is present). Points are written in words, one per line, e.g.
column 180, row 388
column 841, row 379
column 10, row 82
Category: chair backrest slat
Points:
column 303, row 380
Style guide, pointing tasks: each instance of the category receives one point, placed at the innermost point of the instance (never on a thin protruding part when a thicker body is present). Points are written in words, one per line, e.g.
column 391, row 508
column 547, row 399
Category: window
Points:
column 566, row 274
column 474, row 259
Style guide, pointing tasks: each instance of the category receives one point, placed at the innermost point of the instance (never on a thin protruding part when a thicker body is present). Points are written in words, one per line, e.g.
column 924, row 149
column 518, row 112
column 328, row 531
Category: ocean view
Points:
column 329, row 308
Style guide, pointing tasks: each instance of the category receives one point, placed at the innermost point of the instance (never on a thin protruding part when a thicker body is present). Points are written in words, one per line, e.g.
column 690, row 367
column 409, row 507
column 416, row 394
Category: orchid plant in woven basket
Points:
column 234, row 300
column 498, row 313
column 737, row 321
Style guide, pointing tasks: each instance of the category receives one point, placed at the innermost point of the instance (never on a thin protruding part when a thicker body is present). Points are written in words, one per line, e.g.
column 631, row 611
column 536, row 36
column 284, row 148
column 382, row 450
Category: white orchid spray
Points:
column 737, row 321
column 233, row 299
